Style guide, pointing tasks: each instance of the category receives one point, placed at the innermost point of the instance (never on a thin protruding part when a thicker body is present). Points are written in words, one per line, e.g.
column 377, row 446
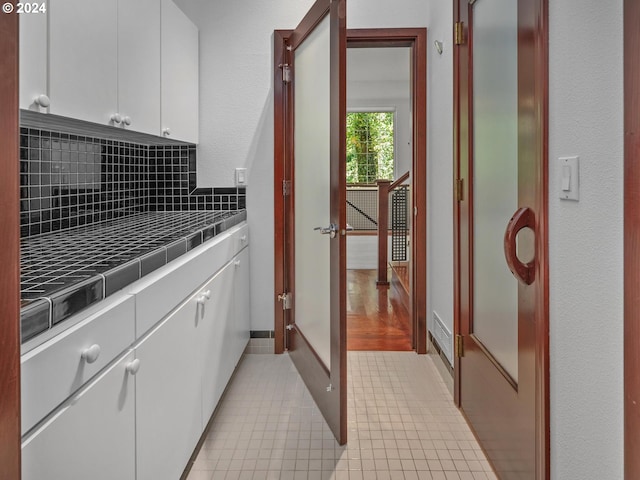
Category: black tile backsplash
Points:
column 68, row 180
column 100, row 207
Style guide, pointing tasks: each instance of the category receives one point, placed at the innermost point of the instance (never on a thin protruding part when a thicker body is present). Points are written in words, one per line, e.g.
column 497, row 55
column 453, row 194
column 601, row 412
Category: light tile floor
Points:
column 402, row 425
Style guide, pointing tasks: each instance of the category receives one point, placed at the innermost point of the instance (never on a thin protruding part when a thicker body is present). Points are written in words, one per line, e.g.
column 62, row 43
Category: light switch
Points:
column 241, row 177
column 569, row 178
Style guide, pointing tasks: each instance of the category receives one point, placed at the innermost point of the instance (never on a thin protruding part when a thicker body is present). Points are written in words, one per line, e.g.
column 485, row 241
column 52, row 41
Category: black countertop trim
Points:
column 40, row 314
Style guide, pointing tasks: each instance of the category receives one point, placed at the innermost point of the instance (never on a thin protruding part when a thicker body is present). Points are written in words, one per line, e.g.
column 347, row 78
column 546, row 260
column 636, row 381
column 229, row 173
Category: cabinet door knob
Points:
column 127, row 120
column 204, row 296
column 42, row 101
column 237, row 263
column 116, row 118
column 166, row 132
column 91, row 354
column 133, row 367
column 243, row 239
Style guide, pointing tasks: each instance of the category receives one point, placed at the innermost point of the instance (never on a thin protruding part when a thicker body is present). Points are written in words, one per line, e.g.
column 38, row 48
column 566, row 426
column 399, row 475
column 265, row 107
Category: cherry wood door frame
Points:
column 416, row 39
column 533, row 35
column 9, row 251
column 631, row 239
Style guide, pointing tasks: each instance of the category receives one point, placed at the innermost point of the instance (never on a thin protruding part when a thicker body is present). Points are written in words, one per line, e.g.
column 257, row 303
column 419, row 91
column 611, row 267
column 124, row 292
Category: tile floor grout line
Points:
column 268, row 427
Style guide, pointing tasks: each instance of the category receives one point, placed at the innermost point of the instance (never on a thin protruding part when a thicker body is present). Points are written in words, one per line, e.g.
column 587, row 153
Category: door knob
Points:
column 331, row 230
column 524, row 272
column 133, row 367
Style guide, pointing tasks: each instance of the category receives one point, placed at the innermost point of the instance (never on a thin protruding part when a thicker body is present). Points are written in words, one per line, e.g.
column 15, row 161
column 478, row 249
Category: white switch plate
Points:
column 241, row 177
column 569, row 178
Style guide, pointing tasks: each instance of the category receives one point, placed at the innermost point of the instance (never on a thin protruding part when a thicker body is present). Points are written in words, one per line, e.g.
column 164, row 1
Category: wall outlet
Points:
column 241, row 177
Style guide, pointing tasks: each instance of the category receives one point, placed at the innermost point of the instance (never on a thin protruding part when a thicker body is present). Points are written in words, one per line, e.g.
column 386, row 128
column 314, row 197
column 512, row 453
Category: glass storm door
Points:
column 499, row 218
column 316, row 331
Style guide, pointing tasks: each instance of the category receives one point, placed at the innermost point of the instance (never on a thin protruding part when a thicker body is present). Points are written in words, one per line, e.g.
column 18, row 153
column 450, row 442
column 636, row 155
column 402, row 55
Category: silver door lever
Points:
column 331, row 230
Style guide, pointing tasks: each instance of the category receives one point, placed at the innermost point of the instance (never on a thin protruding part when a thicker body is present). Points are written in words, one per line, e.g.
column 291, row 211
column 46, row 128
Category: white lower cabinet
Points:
column 224, row 329
column 241, row 295
column 91, row 435
column 141, row 416
column 168, row 405
column 214, row 339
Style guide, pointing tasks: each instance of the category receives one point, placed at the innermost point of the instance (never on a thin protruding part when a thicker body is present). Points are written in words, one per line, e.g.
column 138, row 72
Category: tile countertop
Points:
column 64, row 272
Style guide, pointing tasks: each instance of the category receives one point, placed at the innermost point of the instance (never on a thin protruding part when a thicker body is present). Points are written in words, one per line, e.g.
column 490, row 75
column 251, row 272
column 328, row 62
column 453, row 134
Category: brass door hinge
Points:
column 286, row 72
column 459, row 346
column 285, row 298
column 286, row 187
column 459, row 189
column 458, row 33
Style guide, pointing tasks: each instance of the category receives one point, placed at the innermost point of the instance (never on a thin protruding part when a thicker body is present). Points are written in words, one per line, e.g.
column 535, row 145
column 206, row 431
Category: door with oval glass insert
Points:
column 501, row 370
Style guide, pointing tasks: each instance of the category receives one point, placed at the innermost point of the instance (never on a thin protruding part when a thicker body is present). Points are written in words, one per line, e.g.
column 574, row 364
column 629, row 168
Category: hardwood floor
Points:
column 378, row 318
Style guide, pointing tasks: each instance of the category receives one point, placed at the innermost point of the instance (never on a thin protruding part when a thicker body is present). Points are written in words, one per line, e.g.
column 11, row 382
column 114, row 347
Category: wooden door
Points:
column 631, row 236
column 9, row 253
column 501, row 251
column 313, row 219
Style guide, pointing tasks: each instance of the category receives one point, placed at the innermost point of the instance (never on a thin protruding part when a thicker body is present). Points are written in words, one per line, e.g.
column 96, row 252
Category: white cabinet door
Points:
column 139, row 64
column 33, row 58
column 241, row 292
column 83, row 40
column 215, row 339
column 168, row 404
column 179, row 74
column 91, row 436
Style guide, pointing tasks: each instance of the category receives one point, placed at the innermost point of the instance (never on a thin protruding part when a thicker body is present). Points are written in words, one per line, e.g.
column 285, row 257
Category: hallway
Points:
column 268, row 427
column 378, row 318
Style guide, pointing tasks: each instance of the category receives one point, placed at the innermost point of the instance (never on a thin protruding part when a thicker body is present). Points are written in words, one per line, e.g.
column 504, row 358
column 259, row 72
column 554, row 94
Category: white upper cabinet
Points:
column 139, row 65
column 179, row 67
column 83, row 59
column 105, row 61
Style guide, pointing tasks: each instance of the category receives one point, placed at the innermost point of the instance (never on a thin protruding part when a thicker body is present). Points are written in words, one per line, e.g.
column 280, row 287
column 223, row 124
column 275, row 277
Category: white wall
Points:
column 585, row 241
column 440, row 168
column 236, row 105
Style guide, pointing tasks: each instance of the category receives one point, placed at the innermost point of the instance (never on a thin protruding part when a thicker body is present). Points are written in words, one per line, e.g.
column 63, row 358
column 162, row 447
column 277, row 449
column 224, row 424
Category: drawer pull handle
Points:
column 91, row 354
column 204, row 297
column 243, row 239
column 134, row 366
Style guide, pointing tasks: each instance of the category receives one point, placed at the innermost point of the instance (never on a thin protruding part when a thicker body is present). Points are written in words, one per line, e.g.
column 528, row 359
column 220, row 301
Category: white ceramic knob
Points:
column 204, row 296
column 42, row 101
column 237, row 263
column 243, row 239
column 116, row 118
column 127, row 120
column 166, row 132
column 133, row 367
column 91, row 354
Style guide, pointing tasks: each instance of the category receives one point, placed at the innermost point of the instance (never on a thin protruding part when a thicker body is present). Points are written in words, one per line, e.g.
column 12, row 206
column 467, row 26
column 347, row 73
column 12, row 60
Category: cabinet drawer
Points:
column 163, row 290
column 91, row 436
column 54, row 370
column 240, row 239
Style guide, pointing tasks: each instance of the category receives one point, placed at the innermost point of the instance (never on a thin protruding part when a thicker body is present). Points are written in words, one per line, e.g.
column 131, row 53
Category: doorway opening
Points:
column 379, row 155
column 407, row 277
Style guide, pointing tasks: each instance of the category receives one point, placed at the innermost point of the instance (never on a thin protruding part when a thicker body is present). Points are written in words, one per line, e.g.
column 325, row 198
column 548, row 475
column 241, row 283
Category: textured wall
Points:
column 586, row 267
column 440, row 167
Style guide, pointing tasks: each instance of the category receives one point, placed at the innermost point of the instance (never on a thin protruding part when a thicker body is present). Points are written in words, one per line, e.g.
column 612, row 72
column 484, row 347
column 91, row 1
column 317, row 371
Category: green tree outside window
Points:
column 369, row 146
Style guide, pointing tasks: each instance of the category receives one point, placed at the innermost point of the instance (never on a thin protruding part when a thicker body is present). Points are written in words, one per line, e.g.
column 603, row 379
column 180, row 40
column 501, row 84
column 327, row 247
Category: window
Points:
column 370, row 146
